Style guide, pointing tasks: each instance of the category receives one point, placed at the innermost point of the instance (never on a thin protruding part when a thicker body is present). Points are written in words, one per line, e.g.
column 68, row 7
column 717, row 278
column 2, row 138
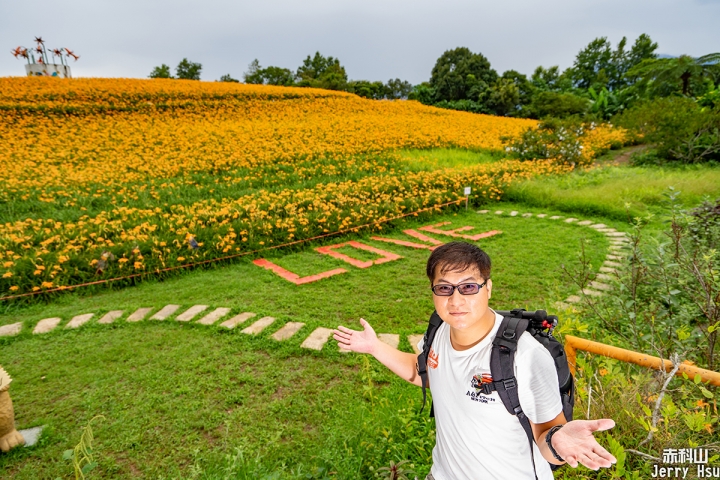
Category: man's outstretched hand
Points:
column 360, row 342
column 575, row 443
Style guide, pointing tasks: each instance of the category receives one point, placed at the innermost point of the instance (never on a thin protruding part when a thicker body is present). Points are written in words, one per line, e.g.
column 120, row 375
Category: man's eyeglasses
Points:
column 446, row 290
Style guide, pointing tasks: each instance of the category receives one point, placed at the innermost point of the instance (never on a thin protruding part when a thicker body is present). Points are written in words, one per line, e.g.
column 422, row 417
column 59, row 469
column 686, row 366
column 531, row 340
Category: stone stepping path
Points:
column 191, row 313
column 214, row 316
column 110, row 317
column 237, row 320
column 79, row 320
column 619, row 243
column 259, row 326
column 139, row 314
column 165, row 312
column 290, row 329
column 316, row 340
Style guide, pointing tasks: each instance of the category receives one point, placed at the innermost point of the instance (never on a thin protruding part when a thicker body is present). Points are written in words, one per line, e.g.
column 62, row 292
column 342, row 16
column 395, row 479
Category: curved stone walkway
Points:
column 317, row 338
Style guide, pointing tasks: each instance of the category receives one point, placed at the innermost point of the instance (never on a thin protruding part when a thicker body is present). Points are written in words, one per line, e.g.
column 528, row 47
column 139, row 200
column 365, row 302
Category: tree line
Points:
column 603, row 81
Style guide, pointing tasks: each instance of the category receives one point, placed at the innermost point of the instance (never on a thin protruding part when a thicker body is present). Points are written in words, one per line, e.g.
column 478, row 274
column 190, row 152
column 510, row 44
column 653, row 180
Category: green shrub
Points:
column 678, row 127
column 558, row 105
column 558, row 139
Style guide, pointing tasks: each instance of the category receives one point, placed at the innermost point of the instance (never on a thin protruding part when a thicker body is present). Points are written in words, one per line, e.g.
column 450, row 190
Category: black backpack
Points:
column 502, row 360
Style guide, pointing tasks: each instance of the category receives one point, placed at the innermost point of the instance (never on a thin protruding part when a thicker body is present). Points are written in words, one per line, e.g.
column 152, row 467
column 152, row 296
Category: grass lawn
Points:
column 619, row 192
column 179, row 400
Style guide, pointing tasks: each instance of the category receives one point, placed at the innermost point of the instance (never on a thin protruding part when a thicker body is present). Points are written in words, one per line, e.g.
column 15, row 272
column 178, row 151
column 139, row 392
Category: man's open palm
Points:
column 575, row 443
column 360, row 342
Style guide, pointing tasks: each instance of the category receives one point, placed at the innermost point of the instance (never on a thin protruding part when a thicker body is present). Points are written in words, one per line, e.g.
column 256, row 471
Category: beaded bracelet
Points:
column 548, row 439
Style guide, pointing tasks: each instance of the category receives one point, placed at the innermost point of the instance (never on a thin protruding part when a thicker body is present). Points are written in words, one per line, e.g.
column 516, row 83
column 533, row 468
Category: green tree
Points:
column 593, row 66
column 558, row 105
column 664, row 76
column 254, row 75
column 550, row 80
column 188, row 70
column 278, row 76
column 163, row 71
column 396, row 89
column 504, row 97
column 228, row 78
column 364, row 88
column 599, row 66
column 423, row 93
column 460, row 74
column 322, row 72
column 268, row 76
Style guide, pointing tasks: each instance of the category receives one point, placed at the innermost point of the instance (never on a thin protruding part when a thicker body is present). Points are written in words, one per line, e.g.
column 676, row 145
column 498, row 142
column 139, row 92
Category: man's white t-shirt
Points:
column 476, row 436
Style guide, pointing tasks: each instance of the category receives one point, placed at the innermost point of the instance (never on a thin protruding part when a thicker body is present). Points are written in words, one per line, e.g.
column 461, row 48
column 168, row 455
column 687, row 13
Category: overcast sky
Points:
column 374, row 40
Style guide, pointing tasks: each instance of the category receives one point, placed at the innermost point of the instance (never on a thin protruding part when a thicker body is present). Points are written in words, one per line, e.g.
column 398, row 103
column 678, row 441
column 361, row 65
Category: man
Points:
column 476, row 436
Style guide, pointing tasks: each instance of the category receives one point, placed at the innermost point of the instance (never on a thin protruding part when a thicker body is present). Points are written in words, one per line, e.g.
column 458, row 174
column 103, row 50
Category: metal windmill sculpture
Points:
column 42, row 65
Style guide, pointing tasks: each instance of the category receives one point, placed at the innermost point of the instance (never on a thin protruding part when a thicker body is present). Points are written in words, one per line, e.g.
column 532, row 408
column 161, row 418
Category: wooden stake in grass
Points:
column 82, row 455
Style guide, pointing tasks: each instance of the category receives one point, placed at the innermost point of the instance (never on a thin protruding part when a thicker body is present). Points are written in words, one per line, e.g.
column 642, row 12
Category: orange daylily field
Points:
column 109, row 177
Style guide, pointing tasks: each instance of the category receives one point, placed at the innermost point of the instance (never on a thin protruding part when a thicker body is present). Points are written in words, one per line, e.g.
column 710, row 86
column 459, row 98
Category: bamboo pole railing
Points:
column 572, row 344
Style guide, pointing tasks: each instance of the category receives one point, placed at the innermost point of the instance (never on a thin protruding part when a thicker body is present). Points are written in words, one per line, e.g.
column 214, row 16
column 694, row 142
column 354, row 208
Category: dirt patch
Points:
column 624, row 157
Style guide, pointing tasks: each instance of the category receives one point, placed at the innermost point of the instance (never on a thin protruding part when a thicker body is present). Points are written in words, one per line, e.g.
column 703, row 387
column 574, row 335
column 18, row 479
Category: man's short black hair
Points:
column 456, row 257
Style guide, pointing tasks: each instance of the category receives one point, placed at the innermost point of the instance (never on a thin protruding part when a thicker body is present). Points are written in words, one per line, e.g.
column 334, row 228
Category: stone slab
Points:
column 46, row 325
column 606, row 230
column 110, row 317
column 139, row 314
column 259, row 326
column 555, row 217
column 526, row 215
column 514, row 213
column 79, row 320
column 608, row 270
column 601, row 286
column 499, row 212
column 573, row 299
column 237, row 320
column 392, row 339
column 608, row 263
column 614, row 257
column 414, row 340
column 287, row 331
column 571, row 220
column 10, row 330
column 191, row 313
column 317, row 338
column 615, row 233
column 165, row 312
column 617, row 248
column 31, row 435
column 562, row 306
column 585, row 223
column 598, row 226
column 605, row 277
column 541, row 215
column 214, row 316
column 483, row 211
column 592, row 293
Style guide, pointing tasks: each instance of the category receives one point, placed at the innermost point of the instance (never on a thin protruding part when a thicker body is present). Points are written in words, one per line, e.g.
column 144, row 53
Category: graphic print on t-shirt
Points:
column 432, row 359
column 476, row 383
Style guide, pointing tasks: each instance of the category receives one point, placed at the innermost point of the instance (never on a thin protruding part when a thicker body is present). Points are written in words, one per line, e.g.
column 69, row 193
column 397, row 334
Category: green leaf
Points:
column 706, row 392
column 68, row 454
column 87, row 468
column 697, row 379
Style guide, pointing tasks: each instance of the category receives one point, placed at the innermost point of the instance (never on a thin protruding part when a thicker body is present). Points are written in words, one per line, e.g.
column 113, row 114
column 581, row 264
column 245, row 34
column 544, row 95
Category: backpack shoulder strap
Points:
column 502, row 370
column 433, row 325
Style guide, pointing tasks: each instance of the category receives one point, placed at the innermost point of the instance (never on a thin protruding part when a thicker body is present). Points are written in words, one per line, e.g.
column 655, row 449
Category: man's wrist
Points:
column 548, row 440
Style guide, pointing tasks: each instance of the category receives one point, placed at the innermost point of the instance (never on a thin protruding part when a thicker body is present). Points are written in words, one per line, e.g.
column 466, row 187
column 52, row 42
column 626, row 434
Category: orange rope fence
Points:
column 213, row 260
column 572, row 344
